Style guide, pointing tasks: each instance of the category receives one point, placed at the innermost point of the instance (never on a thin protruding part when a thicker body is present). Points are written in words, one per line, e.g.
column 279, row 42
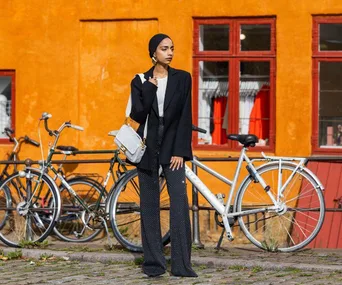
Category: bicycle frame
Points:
column 13, row 156
column 110, row 173
column 46, row 164
column 218, row 204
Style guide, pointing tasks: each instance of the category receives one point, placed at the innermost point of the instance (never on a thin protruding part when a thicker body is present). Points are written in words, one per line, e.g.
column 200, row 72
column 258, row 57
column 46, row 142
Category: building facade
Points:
column 272, row 68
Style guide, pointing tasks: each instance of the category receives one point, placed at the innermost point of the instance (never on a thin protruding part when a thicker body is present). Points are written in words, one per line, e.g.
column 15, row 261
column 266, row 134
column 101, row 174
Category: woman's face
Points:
column 164, row 52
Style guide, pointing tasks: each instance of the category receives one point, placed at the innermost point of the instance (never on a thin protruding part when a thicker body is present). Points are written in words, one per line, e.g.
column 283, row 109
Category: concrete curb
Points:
column 207, row 261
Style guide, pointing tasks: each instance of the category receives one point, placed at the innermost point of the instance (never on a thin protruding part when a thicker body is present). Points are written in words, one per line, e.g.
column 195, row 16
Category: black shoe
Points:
column 156, row 275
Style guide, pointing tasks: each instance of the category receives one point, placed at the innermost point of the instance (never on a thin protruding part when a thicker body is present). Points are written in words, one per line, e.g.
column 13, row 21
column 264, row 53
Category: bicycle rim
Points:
column 70, row 226
column 125, row 212
column 293, row 226
column 5, row 202
column 29, row 216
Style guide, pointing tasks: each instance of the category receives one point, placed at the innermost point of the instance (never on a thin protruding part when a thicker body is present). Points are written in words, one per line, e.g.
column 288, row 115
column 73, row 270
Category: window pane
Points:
column 330, row 37
column 330, row 104
column 255, row 37
column 212, row 102
column 5, row 103
column 254, row 100
column 214, row 37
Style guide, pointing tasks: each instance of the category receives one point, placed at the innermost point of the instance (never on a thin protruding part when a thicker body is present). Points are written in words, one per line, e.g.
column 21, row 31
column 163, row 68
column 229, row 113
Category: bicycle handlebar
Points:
column 8, row 130
column 10, row 134
column 197, row 129
column 31, row 141
column 79, row 128
column 45, row 116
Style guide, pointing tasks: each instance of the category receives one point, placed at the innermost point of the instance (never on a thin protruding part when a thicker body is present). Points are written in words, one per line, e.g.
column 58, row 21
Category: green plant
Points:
column 256, row 269
column 138, row 260
column 202, row 267
column 124, row 231
column 11, row 255
column 33, row 244
column 292, row 270
column 237, row 267
column 271, row 245
column 45, row 256
column 78, row 248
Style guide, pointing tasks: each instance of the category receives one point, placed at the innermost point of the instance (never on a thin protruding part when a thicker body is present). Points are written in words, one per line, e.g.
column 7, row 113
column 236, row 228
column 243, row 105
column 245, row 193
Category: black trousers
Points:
column 154, row 260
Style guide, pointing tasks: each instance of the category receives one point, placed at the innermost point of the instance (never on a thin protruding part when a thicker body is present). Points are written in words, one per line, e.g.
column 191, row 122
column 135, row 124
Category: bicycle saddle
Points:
column 66, row 148
column 246, row 140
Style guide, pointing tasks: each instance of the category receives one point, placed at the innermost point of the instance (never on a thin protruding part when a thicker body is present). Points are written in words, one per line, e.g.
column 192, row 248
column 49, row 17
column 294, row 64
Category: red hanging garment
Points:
column 259, row 121
column 219, row 135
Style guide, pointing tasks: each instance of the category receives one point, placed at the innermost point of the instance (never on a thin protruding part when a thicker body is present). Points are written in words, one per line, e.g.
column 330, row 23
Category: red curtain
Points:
column 219, row 135
column 259, row 123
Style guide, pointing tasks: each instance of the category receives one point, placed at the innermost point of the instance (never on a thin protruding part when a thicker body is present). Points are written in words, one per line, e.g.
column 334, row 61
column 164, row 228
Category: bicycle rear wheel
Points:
column 299, row 218
column 5, row 203
column 124, row 212
column 30, row 210
column 75, row 223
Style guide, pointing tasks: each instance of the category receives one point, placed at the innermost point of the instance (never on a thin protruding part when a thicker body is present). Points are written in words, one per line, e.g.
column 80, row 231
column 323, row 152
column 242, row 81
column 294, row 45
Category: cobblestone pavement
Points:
column 60, row 271
column 92, row 263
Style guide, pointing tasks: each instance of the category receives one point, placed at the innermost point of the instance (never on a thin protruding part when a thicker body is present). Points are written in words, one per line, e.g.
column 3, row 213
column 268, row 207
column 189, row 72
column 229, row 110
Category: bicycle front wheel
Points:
column 124, row 212
column 29, row 212
column 77, row 224
column 292, row 225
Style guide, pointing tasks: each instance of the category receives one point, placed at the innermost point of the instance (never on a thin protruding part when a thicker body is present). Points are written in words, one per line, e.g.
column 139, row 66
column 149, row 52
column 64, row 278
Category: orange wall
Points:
column 75, row 59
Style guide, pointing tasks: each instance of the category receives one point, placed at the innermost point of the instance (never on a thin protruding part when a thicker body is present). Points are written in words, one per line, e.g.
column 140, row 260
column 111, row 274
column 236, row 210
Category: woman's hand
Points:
column 176, row 162
column 153, row 80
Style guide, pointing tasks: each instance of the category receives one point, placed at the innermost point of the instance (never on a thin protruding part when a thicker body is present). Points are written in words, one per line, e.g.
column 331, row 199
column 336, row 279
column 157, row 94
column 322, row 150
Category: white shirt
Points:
column 161, row 95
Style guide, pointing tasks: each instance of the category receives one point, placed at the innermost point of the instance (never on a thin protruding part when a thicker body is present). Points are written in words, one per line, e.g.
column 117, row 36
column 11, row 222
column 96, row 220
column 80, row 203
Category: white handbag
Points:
column 127, row 139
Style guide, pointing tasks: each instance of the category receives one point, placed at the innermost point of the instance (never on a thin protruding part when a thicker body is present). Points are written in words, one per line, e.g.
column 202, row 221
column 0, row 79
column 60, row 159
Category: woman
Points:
column 164, row 102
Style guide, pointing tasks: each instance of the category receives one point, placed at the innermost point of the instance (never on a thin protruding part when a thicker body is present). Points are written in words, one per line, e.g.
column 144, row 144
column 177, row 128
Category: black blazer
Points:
column 177, row 116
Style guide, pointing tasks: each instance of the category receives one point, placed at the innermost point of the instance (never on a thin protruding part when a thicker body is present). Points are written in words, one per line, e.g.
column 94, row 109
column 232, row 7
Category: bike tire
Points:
column 124, row 212
column 30, row 215
column 5, row 202
column 299, row 218
column 70, row 226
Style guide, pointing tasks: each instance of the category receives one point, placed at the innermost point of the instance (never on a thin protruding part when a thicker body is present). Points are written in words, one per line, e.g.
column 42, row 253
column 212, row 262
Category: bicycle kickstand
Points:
column 110, row 243
column 218, row 246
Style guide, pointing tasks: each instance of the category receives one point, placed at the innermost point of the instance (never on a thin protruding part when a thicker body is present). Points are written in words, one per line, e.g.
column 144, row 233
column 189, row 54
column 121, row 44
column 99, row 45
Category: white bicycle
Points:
column 279, row 205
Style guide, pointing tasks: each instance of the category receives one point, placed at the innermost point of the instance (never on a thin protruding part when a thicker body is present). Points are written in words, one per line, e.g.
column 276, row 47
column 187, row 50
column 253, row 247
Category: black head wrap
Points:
column 155, row 41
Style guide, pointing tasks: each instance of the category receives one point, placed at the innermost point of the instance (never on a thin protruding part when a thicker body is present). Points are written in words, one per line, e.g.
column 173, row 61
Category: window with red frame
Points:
column 327, row 84
column 7, row 88
column 234, row 71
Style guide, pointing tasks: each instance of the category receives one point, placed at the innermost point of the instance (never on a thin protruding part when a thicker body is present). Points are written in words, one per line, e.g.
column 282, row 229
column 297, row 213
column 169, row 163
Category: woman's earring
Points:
column 154, row 60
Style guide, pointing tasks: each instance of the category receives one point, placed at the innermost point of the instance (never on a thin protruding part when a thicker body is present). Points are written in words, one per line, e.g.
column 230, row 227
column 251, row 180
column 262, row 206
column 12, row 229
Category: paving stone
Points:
column 91, row 263
column 63, row 272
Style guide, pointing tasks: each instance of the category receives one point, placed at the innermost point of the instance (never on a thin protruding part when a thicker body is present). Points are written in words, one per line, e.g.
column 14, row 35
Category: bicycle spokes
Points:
column 290, row 224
